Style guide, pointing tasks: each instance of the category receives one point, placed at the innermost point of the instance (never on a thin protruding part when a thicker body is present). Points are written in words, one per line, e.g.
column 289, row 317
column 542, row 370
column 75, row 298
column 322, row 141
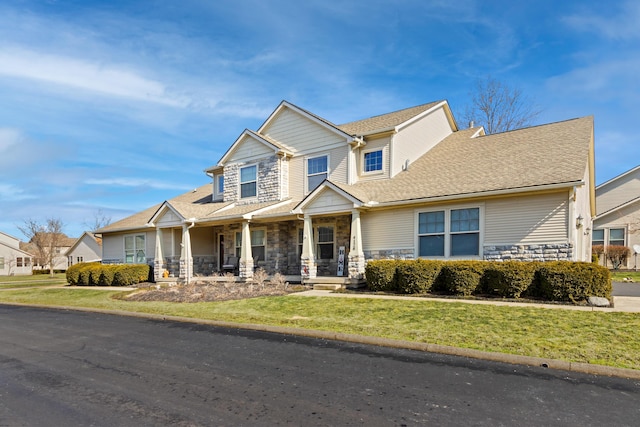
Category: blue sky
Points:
column 116, row 106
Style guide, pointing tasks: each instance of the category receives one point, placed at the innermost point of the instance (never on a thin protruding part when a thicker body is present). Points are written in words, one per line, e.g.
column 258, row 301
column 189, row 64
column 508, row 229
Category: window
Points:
column 248, row 181
column 373, row 161
column 317, row 171
column 300, row 241
column 79, row 259
column 27, row 262
column 19, row 262
column 258, row 242
column 70, row 260
column 449, row 233
column 616, row 236
column 134, row 249
column 221, row 184
column 597, row 237
column 325, row 242
column 1, row 263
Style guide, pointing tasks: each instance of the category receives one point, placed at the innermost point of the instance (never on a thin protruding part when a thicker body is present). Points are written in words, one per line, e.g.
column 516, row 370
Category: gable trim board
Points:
column 527, row 186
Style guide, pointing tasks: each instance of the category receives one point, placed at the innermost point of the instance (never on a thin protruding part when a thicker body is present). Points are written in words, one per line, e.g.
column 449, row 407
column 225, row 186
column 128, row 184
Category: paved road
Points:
column 72, row 368
column 621, row 289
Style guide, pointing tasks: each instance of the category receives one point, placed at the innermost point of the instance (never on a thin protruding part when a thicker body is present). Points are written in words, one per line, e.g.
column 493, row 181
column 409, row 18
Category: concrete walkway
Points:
column 620, row 304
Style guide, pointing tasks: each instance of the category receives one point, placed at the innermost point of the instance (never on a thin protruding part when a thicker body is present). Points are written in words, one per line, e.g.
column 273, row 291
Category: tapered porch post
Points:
column 158, row 260
column 186, row 260
column 246, row 257
column 356, row 254
column 308, row 268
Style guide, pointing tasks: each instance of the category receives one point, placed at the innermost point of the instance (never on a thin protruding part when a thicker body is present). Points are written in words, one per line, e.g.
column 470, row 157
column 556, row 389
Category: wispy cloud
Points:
column 621, row 25
column 77, row 73
column 12, row 193
column 136, row 182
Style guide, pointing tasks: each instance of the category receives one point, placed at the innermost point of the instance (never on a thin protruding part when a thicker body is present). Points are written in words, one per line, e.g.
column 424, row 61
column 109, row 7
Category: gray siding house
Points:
column 312, row 199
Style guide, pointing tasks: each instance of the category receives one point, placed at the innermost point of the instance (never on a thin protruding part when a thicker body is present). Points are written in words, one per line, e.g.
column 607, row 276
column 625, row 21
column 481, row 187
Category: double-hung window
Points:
column 134, row 249
column 258, row 244
column 317, row 171
column 248, row 181
column 325, row 242
column 449, row 233
column 616, row 236
column 597, row 238
column 372, row 161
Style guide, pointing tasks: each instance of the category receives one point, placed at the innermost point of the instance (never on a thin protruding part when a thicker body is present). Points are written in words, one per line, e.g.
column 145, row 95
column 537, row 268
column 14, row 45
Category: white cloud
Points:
column 621, row 26
column 11, row 193
column 9, row 138
column 135, row 182
column 105, row 79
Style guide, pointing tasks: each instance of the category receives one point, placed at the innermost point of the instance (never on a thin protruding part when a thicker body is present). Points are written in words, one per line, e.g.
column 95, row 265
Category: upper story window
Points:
column 449, row 233
column 220, row 186
column 317, row 171
column 249, row 181
column 373, row 161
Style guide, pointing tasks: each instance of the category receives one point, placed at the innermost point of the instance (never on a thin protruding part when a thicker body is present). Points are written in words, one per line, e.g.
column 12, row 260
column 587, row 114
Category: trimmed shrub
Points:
column 95, row 273
column 381, row 275
column 462, row 277
column 617, row 254
column 572, row 281
column 509, row 279
column 417, row 276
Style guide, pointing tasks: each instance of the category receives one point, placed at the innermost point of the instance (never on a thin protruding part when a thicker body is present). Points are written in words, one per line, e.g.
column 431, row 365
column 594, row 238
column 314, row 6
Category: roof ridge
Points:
column 537, row 126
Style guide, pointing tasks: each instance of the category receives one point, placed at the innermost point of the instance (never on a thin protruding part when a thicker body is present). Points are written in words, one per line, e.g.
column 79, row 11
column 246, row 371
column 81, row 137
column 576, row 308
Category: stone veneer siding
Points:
column 537, row 252
column 268, row 181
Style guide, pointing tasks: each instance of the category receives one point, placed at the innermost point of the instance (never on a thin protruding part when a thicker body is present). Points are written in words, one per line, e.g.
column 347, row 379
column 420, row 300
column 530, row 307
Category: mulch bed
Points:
column 206, row 292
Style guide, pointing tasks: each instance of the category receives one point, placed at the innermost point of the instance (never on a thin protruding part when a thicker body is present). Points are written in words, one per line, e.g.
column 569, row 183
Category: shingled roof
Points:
column 384, row 121
column 555, row 153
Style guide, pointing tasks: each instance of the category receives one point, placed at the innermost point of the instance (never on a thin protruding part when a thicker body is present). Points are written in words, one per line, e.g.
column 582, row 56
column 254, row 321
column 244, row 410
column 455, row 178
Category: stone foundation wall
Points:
column 389, row 254
column 541, row 252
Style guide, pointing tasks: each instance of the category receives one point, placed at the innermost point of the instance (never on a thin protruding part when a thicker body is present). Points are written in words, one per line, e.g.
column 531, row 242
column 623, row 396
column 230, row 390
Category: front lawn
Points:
column 603, row 338
column 620, row 276
column 32, row 280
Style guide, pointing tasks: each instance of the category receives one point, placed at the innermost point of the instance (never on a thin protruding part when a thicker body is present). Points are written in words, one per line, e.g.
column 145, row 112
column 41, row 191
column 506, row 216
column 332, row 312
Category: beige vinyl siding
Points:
column 168, row 218
column 328, row 202
column 618, row 192
column 527, row 219
column 300, row 134
column 250, row 149
column 373, row 145
column 202, row 241
column 388, row 229
column 113, row 245
column 338, row 167
column 417, row 138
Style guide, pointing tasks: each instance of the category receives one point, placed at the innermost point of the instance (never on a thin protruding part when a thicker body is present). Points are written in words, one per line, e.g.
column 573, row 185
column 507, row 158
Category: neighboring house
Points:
column 87, row 248
column 13, row 260
column 60, row 260
column 310, row 199
column 618, row 213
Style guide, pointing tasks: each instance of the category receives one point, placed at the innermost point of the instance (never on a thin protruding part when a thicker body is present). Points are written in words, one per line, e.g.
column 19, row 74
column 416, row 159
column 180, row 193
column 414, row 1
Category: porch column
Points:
column 308, row 268
column 186, row 260
column 356, row 254
column 158, row 260
column 246, row 257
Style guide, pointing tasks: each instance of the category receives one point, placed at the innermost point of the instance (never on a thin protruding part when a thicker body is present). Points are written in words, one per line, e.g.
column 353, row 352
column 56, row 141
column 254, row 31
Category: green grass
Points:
column 603, row 338
column 619, row 276
column 32, row 280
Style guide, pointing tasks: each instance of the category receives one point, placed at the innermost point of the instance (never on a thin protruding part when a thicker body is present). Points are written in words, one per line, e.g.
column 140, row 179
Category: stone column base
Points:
column 245, row 269
column 308, row 268
column 356, row 266
column 158, row 269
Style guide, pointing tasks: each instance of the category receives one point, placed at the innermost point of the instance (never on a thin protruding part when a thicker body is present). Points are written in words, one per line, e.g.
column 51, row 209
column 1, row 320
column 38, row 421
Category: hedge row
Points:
column 553, row 281
column 97, row 274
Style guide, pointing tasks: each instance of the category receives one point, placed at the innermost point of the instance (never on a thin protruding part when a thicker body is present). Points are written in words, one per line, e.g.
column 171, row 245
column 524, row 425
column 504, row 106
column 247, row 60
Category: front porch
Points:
column 314, row 251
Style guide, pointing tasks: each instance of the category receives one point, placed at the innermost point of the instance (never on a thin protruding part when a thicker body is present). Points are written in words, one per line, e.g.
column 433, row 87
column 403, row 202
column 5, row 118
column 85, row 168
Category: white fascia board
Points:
column 622, row 175
column 328, row 185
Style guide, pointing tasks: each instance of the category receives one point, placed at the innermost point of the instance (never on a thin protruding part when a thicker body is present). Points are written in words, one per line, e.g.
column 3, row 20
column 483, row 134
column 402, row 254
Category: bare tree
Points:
column 499, row 107
column 100, row 219
column 46, row 239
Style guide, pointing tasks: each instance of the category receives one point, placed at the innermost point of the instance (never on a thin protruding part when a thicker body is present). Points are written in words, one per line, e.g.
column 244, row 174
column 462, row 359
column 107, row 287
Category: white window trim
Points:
column 240, row 181
column 362, row 162
column 124, row 247
column 447, row 231
column 306, row 170
column 316, row 240
column 607, row 234
column 216, row 183
column 235, row 247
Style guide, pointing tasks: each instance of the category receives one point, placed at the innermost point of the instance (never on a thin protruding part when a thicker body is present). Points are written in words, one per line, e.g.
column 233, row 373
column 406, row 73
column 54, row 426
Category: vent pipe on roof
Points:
column 471, row 124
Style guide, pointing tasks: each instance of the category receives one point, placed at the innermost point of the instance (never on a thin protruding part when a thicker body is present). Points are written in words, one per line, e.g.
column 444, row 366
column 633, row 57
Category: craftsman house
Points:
column 311, row 199
column 618, row 214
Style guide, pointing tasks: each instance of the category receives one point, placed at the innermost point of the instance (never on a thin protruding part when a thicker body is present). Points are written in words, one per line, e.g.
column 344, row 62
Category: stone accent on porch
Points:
column 537, row 252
